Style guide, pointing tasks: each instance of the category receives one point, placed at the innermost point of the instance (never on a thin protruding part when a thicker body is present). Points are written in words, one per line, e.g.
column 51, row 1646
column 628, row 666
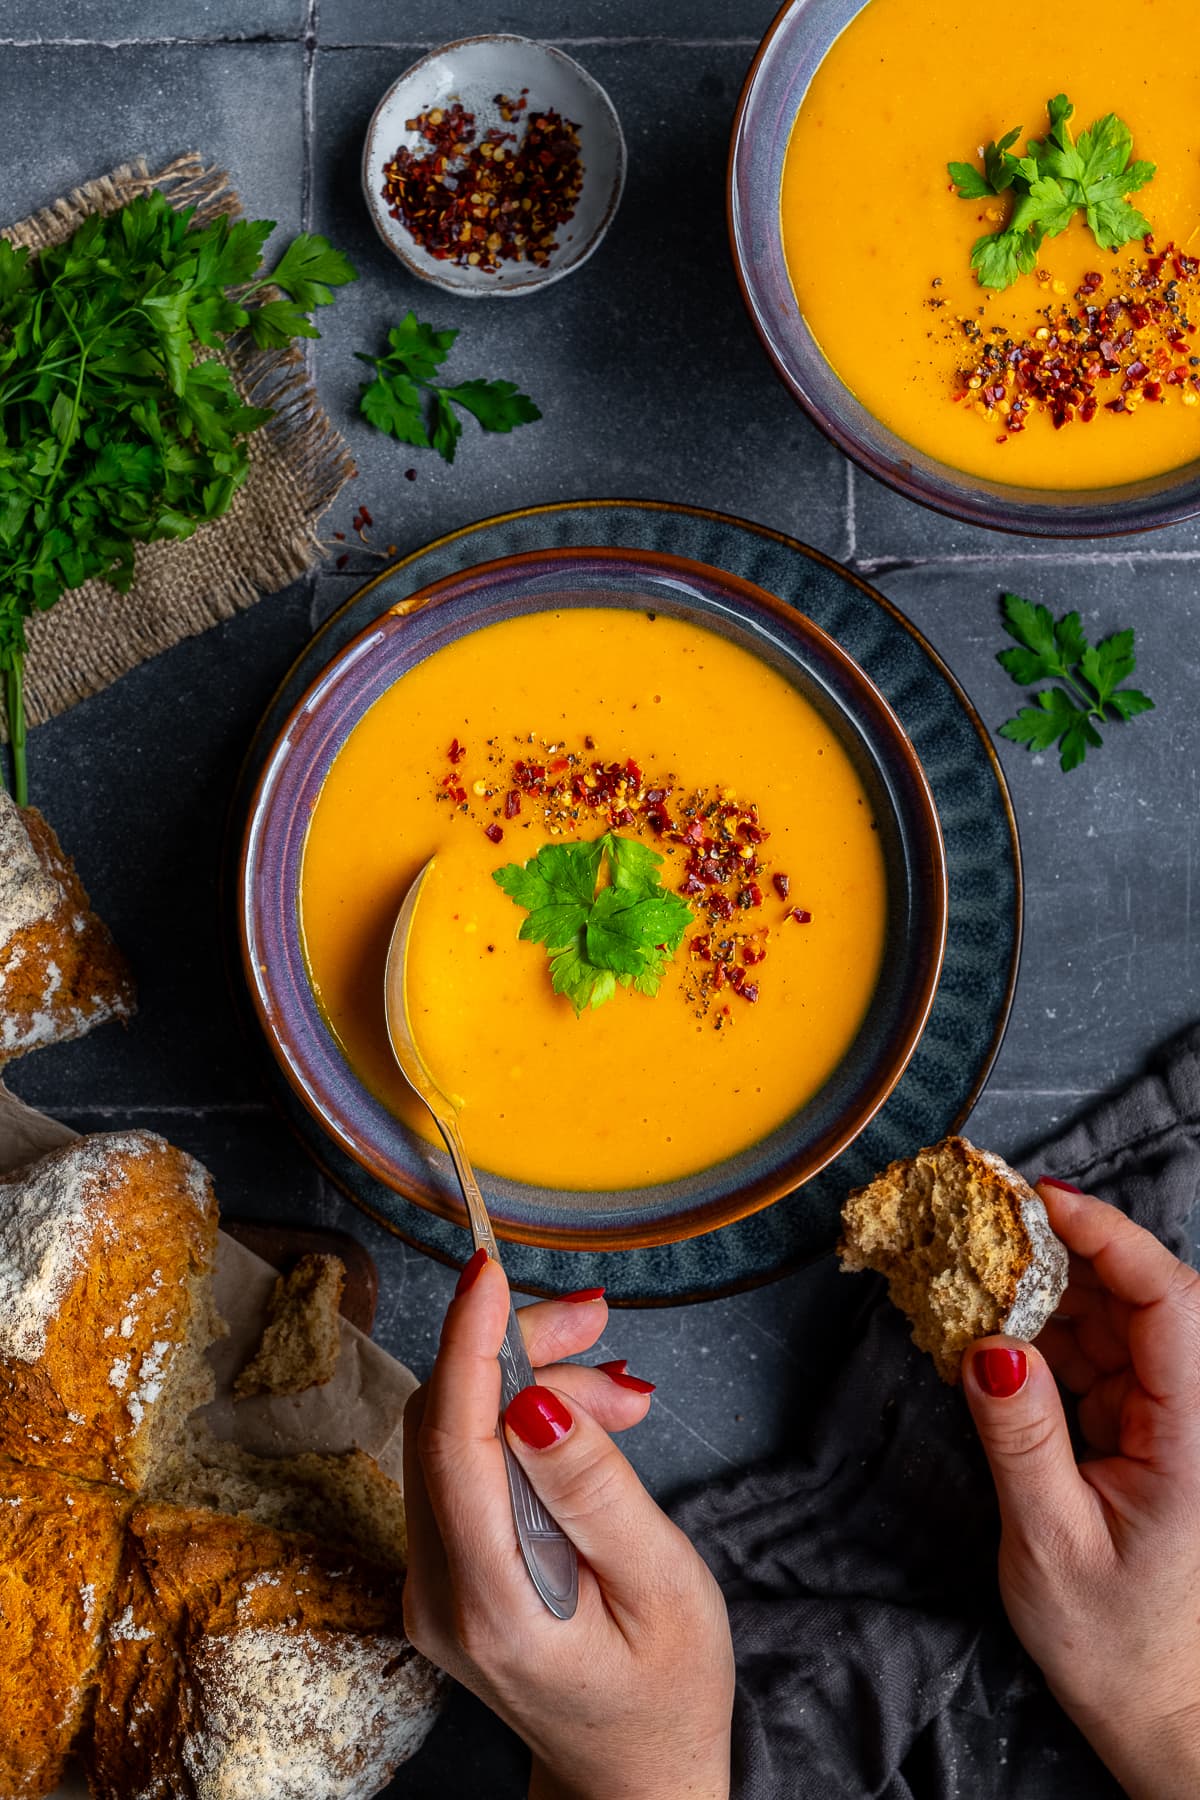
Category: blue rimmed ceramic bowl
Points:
column 551, row 580
column 779, row 77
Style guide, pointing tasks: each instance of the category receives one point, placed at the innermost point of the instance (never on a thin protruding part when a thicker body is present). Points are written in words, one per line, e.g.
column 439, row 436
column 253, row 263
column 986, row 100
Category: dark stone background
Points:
column 653, row 386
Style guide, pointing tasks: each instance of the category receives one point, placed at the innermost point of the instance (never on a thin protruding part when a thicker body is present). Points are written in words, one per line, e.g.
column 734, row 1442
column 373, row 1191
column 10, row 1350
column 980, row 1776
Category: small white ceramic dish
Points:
column 473, row 71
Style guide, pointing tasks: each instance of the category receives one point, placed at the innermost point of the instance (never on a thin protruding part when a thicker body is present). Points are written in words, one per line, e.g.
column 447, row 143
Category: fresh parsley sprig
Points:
column 113, row 430
column 1056, row 178
column 598, row 939
column 404, row 400
column 1092, row 673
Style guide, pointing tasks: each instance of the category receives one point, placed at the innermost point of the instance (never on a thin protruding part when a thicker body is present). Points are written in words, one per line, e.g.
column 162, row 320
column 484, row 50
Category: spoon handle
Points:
column 548, row 1552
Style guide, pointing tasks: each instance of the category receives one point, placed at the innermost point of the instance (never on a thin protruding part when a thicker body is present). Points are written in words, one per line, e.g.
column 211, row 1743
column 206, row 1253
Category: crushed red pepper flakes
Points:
column 478, row 201
column 717, row 839
column 1142, row 339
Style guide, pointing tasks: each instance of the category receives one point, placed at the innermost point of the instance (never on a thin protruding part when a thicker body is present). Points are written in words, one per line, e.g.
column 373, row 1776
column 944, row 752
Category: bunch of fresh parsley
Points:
column 404, row 400
column 1056, row 178
column 114, row 431
column 1050, row 651
column 623, row 934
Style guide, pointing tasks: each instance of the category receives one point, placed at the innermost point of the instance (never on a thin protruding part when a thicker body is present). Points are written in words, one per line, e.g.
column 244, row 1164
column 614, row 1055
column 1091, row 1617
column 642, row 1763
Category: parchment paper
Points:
column 362, row 1406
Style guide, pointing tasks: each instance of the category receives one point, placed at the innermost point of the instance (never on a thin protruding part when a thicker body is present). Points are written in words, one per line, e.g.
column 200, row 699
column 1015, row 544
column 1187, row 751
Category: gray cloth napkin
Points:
column 874, row 1658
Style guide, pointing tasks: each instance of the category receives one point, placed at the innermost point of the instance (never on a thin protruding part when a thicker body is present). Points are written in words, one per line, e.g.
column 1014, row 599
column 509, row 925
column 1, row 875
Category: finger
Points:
column 1164, row 1326
column 614, row 1407
column 1102, row 1332
column 461, row 1456
column 1020, row 1420
column 1102, row 1411
column 636, row 1553
column 1060, row 1347
column 1128, row 1260
column 427, row 1578
column 556, row 1329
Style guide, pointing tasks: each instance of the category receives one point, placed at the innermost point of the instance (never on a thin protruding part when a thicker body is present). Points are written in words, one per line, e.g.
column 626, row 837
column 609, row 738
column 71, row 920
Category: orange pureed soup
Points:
column 641, row 1089
column 878, row 243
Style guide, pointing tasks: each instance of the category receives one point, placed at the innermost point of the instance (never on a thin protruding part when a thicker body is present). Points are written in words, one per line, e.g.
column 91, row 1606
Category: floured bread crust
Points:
column 245, row 1662
column 106, row 1247
column 60, row 972
column 965, row 1244
column 60, row 1548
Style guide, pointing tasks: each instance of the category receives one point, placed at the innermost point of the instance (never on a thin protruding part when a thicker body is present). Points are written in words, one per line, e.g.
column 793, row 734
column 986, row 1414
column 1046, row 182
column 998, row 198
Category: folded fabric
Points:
column 874, row 1658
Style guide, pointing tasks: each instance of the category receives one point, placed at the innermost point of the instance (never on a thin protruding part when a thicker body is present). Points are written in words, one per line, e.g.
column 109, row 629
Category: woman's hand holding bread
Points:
column 1100, row 1560
column 629, row 1700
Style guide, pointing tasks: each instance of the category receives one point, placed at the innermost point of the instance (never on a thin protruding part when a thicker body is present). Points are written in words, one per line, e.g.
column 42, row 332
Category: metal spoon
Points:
column 548, row 1552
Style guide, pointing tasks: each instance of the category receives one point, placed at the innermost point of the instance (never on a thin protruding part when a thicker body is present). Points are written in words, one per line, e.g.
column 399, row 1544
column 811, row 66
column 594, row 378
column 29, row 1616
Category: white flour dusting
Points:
column 275, row 1705
column 48, row 1218
column 27, row 892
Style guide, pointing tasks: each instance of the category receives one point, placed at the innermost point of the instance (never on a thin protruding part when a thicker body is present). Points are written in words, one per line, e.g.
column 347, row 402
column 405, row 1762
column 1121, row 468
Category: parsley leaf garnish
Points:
column 1050, row 650
column 1056, row 178
column 404, row 400
column 113, row 431
column 620, row 935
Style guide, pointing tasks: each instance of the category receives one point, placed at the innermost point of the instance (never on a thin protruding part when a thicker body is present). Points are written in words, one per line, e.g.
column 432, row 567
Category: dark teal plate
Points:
column 983, row 940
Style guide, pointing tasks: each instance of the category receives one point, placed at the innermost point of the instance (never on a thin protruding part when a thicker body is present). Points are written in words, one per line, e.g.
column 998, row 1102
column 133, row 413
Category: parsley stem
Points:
column 1095, row 708
column 14, row 700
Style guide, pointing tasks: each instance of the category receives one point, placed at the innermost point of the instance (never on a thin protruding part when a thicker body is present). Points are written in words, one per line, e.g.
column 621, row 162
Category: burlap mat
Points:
column 298, row 464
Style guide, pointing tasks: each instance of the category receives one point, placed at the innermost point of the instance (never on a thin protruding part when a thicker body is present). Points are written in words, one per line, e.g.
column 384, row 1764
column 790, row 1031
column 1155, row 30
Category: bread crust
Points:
column 105, row 1249
column 1018, row 1292
column 244, row 1661
column 61, row 974
column 60, row 1548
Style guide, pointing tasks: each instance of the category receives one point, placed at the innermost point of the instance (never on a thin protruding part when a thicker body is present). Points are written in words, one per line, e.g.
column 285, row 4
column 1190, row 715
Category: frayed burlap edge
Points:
column 298, row 464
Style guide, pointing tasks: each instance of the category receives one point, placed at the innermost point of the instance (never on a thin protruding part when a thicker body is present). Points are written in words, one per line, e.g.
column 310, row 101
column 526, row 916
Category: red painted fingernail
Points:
column 1056, row 1181
column 470, row 1274
column 616, row 1372
column 1001, row 1372
column 582, row 1294
column 538, row 1417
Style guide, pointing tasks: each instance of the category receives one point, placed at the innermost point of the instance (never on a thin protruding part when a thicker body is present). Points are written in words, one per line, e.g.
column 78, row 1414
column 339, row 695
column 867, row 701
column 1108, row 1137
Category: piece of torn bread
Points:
column 965, row 1244
column 60, row 972
column 302, row 1336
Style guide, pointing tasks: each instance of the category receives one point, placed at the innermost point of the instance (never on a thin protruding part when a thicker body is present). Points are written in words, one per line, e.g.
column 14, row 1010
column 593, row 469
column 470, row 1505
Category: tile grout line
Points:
column 146, row 1109
column 851, row 515
column 871, row 566
column 413, row 43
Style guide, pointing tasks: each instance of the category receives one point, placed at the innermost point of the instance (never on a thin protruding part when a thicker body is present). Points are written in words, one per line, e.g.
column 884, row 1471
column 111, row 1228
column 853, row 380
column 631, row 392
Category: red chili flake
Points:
column 589, row 743
column 512, row 804
column 754, row 950
column 493, row 832
column 340, row 536
column 702, row 947
column 749, row 991
column 718, row 976
column 480, row 203
column 750, row 895
column 410, row 474
column 782, row 885
column 456, row 751
column 800, row 915
column 343, row 560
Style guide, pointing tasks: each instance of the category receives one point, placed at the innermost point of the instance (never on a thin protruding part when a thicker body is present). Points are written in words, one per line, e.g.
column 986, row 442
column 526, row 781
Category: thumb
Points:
column 581, row 1477
column 1018, row 1413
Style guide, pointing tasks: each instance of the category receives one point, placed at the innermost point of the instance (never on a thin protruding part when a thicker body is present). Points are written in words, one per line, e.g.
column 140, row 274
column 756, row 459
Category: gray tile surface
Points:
column 652, row 385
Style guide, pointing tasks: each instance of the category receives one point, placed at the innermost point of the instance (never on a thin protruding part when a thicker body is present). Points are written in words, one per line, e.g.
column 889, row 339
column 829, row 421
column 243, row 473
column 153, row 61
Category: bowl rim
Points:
column 1107, row 512
column 759, row 1191
column 537, row 278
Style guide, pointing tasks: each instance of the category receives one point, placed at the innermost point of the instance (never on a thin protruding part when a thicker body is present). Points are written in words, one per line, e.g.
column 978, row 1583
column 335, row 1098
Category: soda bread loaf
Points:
column 965, row 1244
column 106, row 1253
column 60, row 1548
column 60, row 972
column 205, row 1625
column 247, row 1662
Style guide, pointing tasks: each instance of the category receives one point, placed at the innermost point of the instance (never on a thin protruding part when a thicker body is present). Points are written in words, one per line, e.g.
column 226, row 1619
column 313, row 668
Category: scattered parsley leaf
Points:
column 1056, row 178
column 113, row 432
column 422, row 411
column 1058, row 650
column 598, row 939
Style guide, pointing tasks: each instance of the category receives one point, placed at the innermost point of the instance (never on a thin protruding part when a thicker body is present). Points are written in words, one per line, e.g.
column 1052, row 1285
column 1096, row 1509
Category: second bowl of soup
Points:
column 1053, row 385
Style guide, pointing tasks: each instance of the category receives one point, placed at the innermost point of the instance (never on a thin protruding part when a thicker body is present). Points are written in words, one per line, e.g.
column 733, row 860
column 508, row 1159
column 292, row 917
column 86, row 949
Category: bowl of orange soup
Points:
column 724, row 749
column 1064, row 403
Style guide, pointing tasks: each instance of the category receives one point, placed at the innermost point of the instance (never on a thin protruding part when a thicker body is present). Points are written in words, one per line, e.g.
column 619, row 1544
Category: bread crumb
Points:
column 302, row 1337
